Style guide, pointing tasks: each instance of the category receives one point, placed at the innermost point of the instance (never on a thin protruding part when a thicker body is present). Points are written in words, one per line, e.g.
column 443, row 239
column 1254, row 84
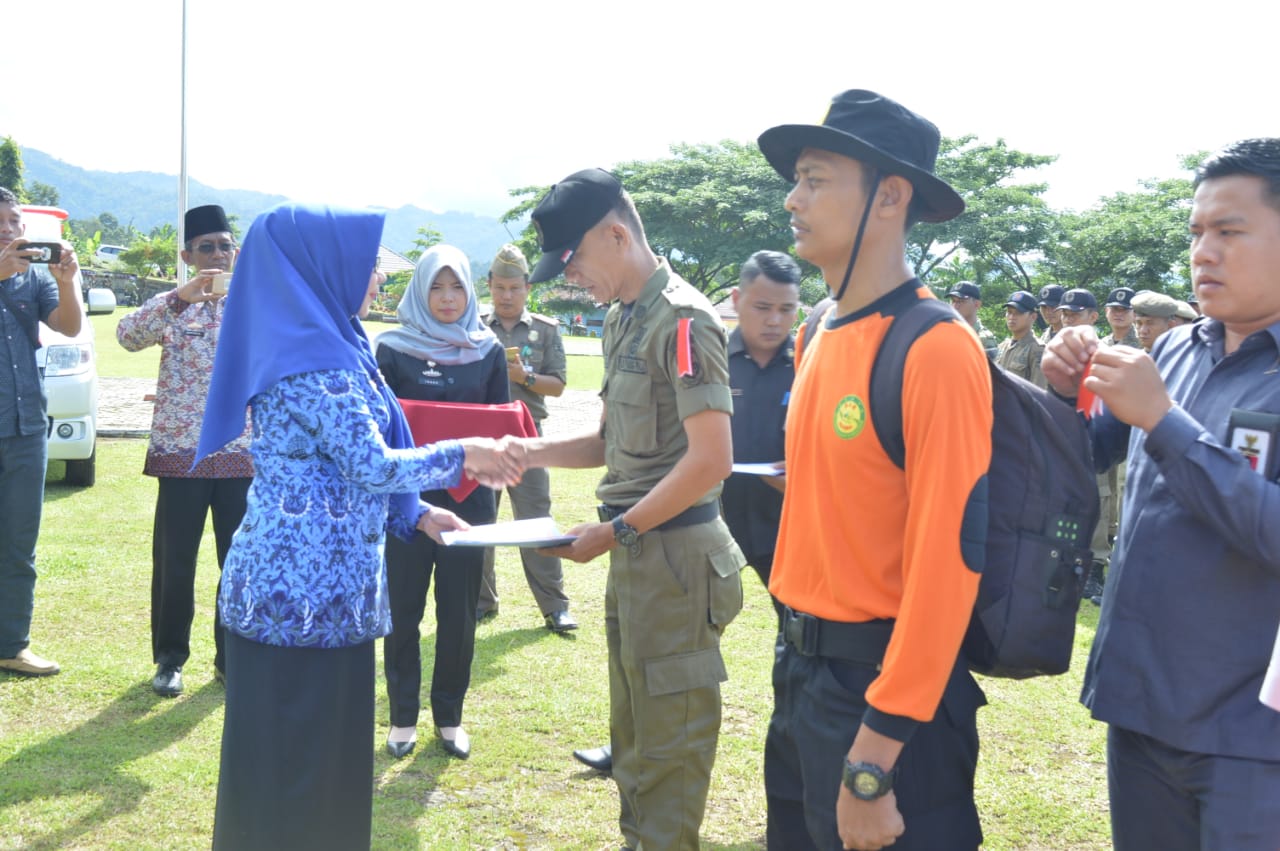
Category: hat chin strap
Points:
column 857, row 241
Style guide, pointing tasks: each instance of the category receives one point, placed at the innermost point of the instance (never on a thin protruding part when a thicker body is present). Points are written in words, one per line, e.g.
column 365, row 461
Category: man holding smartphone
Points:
column 30, row 293
column 186, row 322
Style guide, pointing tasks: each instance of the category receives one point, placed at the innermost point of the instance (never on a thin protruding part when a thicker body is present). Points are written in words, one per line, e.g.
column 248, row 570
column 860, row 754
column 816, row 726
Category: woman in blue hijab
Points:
column 442, row 352
column 304, row 593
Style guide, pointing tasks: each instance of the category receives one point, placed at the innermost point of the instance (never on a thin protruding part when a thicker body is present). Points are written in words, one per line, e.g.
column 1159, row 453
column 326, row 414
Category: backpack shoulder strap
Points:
column 889, row 367
column 812, row 322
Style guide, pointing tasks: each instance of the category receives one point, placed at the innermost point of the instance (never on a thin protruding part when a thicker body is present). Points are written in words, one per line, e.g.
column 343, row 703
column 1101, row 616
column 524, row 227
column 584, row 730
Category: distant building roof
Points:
column 391, row 262
column 727, row 314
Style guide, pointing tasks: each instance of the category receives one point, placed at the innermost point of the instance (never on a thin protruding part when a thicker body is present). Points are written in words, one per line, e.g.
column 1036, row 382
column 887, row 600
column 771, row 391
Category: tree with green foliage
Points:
column 11, row 169
column 43, row 194
column 107, row 226
column 1003, row 227
column 1134, row 239
column 705, row 209
column 426, row 238
column 156, row 253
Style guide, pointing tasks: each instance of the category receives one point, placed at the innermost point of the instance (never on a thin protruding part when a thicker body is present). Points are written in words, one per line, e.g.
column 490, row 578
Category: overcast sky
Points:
column 447, row 105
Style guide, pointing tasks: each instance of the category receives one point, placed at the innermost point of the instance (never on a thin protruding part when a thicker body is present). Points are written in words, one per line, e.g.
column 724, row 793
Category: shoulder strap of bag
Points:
column 889, row 367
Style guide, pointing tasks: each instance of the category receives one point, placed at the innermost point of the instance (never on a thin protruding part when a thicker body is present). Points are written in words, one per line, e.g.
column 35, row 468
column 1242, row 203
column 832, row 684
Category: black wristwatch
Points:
column 531, row 379
column 625, row 535
column 868, row 781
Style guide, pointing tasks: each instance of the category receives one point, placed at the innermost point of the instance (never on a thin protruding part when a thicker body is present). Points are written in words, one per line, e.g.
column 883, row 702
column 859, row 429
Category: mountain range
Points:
column 147, row 199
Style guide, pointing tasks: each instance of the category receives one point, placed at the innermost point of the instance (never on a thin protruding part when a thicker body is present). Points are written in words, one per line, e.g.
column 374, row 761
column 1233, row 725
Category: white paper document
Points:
column 533, row 532
column 759, row 470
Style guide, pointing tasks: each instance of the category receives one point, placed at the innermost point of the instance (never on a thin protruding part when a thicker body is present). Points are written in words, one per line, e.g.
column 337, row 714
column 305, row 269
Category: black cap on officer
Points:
column 1078, row 299
column 1023, row 301
column 1120, row 297
column 564, row 215
column 1051, row 295
column 966, row 289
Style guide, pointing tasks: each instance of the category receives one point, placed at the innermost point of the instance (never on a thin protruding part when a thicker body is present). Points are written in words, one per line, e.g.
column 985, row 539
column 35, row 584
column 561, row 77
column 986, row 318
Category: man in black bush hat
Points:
column 185, row 323
column 860, row 752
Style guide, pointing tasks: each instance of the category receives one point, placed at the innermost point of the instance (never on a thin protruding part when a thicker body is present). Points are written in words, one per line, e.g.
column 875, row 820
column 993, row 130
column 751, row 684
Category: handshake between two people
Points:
column 495, row 463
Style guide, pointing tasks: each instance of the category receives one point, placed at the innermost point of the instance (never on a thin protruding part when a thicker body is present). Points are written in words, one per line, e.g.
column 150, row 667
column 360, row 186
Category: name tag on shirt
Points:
column 1254, row 434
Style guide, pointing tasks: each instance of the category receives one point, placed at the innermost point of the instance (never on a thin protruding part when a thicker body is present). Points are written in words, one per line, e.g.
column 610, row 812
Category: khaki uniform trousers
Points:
column 666, row 605
column 530, row 498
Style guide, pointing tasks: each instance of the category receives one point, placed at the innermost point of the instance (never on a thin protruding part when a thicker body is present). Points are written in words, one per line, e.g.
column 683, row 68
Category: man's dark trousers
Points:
column 181, row 508
column 818, row 707
column 22, row 465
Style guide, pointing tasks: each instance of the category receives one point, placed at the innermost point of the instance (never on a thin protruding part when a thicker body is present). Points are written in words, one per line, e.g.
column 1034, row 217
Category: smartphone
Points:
column 221, row 282
column 46, row 252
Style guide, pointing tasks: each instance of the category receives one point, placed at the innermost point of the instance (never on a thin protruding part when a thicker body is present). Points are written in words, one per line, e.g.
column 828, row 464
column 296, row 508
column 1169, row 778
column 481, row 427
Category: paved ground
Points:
column 124, row 408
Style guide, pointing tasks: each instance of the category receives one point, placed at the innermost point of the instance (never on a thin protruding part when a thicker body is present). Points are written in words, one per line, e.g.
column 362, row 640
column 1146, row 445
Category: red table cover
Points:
column 435, row 421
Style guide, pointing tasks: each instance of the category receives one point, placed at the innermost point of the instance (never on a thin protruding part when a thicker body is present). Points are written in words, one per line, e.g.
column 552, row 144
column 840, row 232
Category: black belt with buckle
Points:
column 691, row 516
column 864, row 643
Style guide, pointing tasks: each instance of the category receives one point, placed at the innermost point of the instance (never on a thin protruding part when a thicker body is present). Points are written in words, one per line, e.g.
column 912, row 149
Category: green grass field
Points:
column 92, row 759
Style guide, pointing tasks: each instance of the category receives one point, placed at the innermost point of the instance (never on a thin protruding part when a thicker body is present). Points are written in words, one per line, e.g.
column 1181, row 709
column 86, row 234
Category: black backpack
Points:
column 1042, row 511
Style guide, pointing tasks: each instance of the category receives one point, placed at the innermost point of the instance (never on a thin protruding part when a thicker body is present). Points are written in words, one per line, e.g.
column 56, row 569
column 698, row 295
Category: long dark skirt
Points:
column 297, row 748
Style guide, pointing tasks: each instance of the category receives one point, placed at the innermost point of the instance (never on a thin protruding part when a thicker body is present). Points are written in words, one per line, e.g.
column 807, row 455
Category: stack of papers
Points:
column 534, row 532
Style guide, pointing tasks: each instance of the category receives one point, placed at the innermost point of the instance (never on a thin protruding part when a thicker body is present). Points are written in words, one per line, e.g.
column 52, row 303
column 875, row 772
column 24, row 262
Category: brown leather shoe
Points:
column 28, row 664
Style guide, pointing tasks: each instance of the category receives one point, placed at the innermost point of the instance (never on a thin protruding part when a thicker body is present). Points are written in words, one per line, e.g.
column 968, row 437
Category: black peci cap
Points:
column 201, row 220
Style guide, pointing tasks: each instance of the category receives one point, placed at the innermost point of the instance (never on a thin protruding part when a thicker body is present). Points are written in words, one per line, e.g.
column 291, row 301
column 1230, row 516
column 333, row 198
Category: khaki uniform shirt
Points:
column 1130, row 339
column 1022, row 358
column 646, row 398
column 541, row 349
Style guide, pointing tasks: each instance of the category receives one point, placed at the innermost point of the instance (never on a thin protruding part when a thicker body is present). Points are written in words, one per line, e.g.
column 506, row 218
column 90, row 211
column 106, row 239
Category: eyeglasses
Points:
column 213, row 247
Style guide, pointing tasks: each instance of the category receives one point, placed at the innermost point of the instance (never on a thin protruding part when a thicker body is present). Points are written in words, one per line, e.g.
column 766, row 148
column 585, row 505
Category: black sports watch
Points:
column 868, row 781
column 625, row 535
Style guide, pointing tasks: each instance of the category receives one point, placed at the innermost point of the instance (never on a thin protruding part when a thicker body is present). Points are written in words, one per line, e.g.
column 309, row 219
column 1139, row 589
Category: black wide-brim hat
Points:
column 877, row 131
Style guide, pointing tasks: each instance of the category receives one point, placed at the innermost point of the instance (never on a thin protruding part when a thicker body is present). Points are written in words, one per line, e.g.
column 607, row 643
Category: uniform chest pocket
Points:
column 631, row 414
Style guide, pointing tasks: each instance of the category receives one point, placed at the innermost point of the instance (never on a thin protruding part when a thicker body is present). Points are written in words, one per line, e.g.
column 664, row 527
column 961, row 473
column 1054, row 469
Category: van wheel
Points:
column 83, row 473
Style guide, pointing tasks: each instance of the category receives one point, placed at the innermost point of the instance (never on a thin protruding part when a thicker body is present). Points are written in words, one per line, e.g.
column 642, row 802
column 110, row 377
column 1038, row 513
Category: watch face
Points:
column 866, row 783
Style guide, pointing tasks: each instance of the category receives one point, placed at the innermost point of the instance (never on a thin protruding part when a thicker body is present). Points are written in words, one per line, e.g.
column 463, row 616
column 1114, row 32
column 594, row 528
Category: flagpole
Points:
column 182, row 162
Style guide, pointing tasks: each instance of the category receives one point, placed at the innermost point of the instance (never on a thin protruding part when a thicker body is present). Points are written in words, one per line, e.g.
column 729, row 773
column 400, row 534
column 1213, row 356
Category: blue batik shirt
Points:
column 306, row 566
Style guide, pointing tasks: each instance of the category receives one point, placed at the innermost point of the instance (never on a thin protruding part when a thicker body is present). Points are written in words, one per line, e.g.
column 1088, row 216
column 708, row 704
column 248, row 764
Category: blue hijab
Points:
column 301, row 276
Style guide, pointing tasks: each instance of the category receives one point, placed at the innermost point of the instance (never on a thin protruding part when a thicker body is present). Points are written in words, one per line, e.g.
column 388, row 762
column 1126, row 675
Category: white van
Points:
column 69, row 367
column 109, row 255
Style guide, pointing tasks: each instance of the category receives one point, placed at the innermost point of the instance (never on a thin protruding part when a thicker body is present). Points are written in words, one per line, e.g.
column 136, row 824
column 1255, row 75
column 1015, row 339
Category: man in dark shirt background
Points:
column 761, row 369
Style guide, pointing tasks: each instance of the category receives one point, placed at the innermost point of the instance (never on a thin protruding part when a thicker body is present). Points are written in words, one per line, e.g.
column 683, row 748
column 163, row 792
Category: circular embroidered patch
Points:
column 849, row 418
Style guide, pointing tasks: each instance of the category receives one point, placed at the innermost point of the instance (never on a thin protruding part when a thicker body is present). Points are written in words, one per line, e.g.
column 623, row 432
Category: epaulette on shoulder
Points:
column 550, row 320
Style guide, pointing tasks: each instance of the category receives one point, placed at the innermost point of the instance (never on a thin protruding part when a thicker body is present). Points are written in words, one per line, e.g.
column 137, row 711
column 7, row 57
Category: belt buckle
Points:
column 801, row 631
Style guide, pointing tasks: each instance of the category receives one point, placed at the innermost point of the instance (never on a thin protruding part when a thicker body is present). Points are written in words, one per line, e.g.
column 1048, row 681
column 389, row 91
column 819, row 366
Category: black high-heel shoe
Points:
column 399, row 750
column 459, row 747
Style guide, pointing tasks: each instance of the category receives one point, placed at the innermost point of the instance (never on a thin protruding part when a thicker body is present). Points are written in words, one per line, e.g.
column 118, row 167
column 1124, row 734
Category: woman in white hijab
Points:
column 441, row 352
